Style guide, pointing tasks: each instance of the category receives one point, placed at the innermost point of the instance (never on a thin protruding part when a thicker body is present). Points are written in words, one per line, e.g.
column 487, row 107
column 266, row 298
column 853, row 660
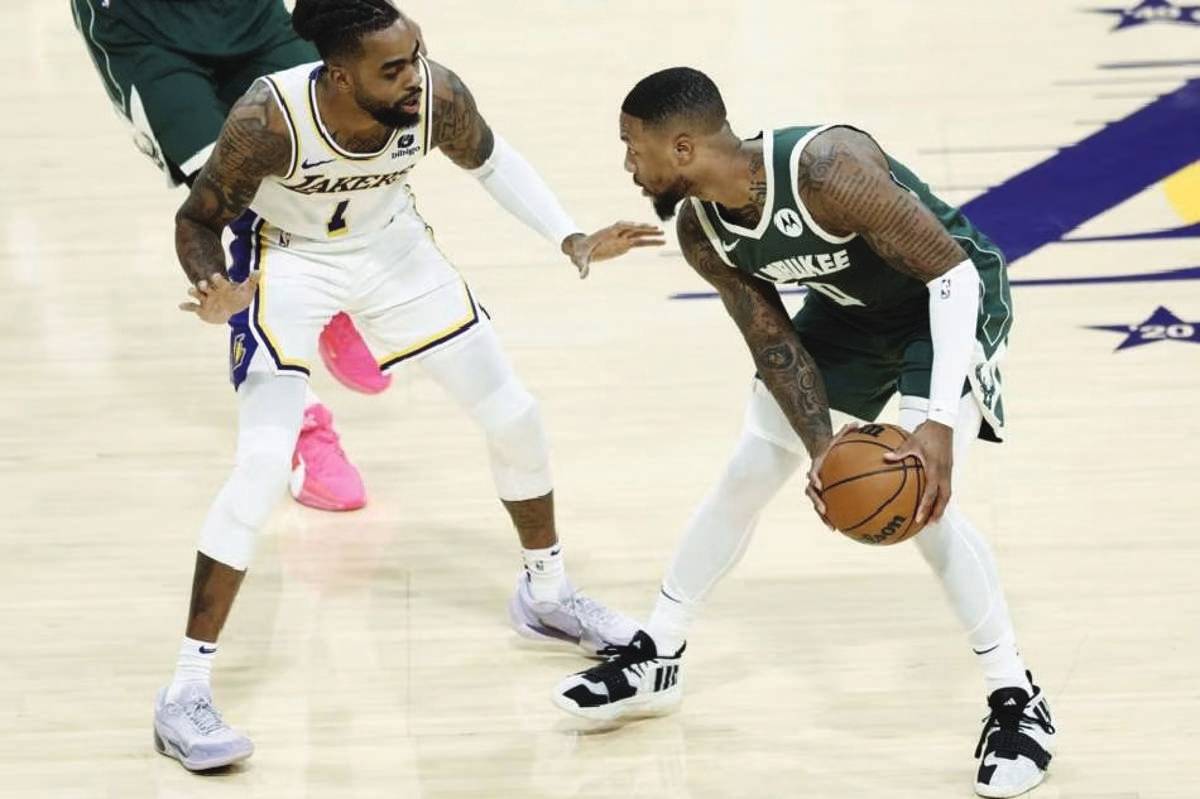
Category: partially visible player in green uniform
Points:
column 173, row 69
column 905, row 295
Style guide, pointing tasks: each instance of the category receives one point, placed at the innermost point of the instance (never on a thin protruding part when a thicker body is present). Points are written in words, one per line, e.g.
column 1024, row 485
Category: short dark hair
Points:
column 676, row 92
column 337, row 26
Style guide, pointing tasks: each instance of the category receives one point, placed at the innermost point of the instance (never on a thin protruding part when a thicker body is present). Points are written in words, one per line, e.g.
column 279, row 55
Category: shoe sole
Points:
column 330, row 359
column 315, row 501
column 661, row 703
column 1007, row 793
column 167, row 749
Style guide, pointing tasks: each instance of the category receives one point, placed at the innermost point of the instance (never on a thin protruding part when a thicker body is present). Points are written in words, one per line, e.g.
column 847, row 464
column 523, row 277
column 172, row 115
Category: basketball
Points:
column 867, row 498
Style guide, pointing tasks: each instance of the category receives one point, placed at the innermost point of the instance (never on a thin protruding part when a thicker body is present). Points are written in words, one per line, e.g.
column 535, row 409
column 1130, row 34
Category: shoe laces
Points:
column 204, row 716
column 1011, row 718
column 591, row 614
column 326, row 436
column 618, row 657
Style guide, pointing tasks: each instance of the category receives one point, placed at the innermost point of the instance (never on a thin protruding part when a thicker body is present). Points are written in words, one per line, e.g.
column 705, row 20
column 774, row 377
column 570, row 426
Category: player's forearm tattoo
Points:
column 458, row 128
column 784, row 365
column 253, row 144
column 845, row 181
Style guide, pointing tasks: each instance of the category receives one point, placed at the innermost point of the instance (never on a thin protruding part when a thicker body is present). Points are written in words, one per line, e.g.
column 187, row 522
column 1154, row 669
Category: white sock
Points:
column 546, row 572
column 194, row 664
column 669, row 622
column 1002, row 666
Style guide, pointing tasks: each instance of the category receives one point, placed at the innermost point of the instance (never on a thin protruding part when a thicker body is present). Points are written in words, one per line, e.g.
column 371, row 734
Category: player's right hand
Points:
column 217, row 299
column 814, row 473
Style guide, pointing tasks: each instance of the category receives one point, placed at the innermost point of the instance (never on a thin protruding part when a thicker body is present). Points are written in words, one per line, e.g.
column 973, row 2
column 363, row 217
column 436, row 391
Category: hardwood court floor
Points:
column 369, row 655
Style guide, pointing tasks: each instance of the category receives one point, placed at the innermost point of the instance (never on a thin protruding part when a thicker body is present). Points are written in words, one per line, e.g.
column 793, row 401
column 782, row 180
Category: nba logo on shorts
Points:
column 788, row 223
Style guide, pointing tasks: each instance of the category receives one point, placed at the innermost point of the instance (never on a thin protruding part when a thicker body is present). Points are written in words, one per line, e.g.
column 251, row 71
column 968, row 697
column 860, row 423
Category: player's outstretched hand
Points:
column 610, row 242
column 814, row 473
column 932, row 443
column 217, row 299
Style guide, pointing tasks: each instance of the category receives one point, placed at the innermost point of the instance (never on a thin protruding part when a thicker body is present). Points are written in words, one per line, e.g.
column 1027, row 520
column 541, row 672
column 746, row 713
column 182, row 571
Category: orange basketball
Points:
column 867, row 498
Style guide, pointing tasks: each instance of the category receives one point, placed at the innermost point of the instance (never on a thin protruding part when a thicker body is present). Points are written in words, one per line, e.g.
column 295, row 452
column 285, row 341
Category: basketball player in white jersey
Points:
column 320, row 153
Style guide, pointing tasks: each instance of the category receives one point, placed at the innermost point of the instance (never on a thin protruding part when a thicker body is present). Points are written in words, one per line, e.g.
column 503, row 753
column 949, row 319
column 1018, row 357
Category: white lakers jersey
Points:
column 328, row 192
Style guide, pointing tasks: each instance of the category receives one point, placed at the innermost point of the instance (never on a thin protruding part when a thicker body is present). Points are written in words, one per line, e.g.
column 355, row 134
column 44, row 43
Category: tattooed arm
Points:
column 254, row 143
column 459, row 130
column 783, row 364
column 845, row 181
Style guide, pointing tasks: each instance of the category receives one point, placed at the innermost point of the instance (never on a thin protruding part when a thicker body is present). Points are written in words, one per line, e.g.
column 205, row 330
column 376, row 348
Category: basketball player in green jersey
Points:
column 905, row 295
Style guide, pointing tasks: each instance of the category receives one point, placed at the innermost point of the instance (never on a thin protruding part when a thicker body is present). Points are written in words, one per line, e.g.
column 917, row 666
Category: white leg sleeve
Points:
column 768, row 453
column 478, row 375
column 956, row 551
column 719, row 531
column 270, row 410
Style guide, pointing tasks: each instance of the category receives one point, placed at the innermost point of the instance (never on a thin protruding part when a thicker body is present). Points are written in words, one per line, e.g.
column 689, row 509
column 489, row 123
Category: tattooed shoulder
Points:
column 257, row 131
column 833, row 170
column 254, row 144
column 845, row 181
column 459, row 130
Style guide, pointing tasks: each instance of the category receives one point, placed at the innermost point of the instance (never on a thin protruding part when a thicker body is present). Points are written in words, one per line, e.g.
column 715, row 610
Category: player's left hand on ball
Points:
column 217, row 299
column 814, row 474
column 610, row 242
column 932, row 443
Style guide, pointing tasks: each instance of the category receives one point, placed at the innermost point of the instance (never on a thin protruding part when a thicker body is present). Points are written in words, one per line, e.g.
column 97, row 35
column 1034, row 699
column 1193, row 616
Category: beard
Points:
column 392, row 116
column 666, row 201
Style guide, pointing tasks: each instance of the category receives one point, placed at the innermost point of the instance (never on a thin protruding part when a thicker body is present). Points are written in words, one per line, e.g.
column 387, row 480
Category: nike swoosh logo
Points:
column 984, row 652
column 307, row 165
column 729, row 247
column 206, row 651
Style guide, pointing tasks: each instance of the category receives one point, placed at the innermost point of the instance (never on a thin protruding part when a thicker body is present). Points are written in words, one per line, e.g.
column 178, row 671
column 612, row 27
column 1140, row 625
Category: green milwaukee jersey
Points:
column 788, row 246
column 866, row 323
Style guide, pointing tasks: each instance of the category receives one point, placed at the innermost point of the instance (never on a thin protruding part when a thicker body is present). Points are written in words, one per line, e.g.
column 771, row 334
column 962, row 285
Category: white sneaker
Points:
column 1016, row 744
column 191, row 730
column 576, row 620
column 633, row 681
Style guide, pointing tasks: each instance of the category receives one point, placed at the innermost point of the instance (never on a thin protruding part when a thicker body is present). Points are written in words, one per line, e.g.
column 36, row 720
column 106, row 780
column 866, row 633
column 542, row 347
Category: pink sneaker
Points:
column 322, row 477
column 348, row 359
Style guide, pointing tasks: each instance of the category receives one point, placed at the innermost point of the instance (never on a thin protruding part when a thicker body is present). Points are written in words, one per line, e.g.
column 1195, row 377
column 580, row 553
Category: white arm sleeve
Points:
column 953, row 314
column 517, row 186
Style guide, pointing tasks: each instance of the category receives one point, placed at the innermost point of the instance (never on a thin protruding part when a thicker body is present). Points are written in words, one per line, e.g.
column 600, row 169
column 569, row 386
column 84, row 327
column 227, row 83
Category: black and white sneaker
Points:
column 1016, row 744
column 634, row 680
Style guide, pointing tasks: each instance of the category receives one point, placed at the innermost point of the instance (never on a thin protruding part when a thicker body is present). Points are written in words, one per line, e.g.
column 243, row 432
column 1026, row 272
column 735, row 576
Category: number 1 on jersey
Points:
column 337, row 223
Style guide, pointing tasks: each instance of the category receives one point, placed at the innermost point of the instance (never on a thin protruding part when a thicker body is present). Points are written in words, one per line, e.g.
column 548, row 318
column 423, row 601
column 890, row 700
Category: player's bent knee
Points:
column 516, row 439
column 261, row 475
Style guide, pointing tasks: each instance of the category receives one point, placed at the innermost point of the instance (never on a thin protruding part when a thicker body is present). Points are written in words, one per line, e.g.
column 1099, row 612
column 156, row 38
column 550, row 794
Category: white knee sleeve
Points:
column 271, row 409
column 516, row 439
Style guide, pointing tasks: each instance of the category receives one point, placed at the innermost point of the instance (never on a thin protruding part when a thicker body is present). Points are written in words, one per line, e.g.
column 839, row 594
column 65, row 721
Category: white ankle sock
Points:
column 669, row 623
column 1003, row 666
column 194, row 664
column 546, row 572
